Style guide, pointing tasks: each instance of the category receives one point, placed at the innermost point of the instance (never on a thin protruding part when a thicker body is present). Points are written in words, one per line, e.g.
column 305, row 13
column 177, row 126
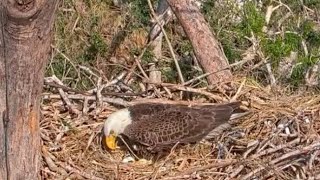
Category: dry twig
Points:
column 190, row 89
column 303, row 150
column 63, row 95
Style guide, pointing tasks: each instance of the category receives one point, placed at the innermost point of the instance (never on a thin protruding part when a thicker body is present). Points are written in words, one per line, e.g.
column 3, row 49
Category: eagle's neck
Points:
column 118, row 121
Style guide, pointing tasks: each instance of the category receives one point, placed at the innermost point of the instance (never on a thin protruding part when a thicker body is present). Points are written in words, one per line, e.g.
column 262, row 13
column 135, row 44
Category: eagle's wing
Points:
column 166, row 126
column 143, row 111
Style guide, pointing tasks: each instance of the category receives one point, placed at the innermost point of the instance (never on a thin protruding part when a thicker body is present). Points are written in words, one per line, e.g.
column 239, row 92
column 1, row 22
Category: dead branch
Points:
column 49, row 82
column 206, row 47
column 164, row 14
column 275, row 149
column 190, row 89
column 64, row 95
column 168, row 42
column 88, row 70
column 110, row 83
column 238, row 91
column 52, row 166
column 79, row 172
column 117, row 101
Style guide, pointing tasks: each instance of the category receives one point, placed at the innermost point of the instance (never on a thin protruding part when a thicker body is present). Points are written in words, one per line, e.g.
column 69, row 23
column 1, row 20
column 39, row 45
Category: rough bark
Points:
column 3, row 169
column 206, row 47
column 26, row 32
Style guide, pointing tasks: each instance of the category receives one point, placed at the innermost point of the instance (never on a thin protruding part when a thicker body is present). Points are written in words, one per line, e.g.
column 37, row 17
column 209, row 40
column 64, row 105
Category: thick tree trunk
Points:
column 3, row 168
column 25, row 35
column 206, row 47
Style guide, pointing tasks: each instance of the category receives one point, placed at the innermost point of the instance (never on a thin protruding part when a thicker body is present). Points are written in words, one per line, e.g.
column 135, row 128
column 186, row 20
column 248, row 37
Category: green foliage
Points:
column 313, row 38
column 295, row 6
column 230, row 50
column 313, row 4
column 207, row 8
column 187, row 69
column 306, row 28
column 185, row 47
column 280, row 46
column 97, row 46
column 78, row 40
column 94, row 22
column 253, row 19
column 229, row 33
column 276, row 40
column 85, row 38
column 147, row 56
column 169, row 74
column 58, row 67
column 298, row 71
column 140, row 12
column 310, row 34
column 292, row 41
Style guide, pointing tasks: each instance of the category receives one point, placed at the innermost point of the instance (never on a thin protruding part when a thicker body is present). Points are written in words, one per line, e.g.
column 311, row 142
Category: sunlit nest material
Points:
column 278, row 140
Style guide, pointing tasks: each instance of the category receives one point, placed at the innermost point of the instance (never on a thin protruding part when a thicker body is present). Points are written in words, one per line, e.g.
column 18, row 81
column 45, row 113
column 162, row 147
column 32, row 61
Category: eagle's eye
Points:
column 111, row 132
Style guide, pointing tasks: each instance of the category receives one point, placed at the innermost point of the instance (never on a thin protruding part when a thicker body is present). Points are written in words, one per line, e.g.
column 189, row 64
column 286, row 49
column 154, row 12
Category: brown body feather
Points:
column 158, row 127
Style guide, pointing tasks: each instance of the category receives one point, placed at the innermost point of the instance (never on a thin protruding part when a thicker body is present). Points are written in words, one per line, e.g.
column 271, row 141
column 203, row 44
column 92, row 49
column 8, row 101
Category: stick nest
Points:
column 278, row 140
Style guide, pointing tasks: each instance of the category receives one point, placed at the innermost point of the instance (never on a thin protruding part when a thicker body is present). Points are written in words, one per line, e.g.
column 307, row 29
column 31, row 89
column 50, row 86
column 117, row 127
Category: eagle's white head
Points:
column 115, row 125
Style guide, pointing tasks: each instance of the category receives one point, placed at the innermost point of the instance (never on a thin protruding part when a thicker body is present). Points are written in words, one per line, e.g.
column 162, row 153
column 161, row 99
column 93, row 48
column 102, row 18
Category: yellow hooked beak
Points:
column 111, row 141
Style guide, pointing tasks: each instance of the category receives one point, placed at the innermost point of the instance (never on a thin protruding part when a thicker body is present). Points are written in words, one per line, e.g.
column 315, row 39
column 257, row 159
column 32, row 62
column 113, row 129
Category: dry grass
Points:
column 273, row 142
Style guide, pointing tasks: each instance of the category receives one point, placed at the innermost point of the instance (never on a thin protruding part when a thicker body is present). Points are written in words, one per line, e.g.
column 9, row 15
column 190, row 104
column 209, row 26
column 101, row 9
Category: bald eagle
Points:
column 150, row 130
